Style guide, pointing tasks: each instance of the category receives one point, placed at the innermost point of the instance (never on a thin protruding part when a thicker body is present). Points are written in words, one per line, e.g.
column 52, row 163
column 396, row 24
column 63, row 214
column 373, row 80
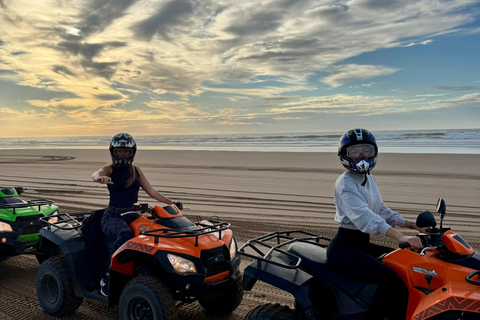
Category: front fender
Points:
column 452, row 296
column 72, row 245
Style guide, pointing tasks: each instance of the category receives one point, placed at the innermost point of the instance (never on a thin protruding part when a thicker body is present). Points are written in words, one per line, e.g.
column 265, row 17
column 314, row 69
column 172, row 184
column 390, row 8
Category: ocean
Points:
column 461, row 141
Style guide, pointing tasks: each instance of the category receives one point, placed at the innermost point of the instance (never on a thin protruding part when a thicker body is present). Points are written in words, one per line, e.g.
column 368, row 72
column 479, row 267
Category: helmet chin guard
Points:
column 122, row 140
column 362, row 166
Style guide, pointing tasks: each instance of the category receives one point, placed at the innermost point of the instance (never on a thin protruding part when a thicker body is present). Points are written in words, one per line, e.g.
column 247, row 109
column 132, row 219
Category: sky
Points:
column 99, row 67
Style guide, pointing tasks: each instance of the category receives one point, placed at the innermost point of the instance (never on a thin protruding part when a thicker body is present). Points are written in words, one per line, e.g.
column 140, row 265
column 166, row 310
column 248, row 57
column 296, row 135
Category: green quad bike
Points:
column 20, row 223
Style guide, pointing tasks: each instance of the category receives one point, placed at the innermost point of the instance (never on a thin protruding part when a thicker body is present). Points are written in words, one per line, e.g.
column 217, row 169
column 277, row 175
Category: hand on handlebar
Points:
column 412, row 225
column 414, row 242
column 178, row 204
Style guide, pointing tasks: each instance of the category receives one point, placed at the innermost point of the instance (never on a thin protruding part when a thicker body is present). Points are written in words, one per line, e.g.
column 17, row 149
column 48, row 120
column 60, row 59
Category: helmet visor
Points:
column 123, row 152
column 354, row 152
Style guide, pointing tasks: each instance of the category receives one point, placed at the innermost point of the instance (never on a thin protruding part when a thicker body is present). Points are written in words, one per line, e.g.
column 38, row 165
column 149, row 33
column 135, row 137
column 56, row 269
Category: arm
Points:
column 354, row 206
column 103, row 175
column 150, row 190
column 412, row 225
column 414, row 242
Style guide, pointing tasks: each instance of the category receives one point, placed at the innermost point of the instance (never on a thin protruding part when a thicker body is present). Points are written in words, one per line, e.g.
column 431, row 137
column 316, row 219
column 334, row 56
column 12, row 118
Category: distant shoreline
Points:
column 461, row 141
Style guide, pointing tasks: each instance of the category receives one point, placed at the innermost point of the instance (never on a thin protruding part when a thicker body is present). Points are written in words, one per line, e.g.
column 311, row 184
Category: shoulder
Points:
column 372, row 178
column 346, row 181
column 140, row 172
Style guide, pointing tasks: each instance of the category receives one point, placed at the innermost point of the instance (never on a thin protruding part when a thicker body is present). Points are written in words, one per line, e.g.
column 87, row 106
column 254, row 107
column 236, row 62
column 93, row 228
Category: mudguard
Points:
column 352, row 297
column 72, row 245
column 452, row 296
column 295, row 281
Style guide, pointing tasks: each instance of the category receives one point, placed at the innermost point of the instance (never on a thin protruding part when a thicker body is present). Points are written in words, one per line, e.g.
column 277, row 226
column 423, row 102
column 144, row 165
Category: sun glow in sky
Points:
column 205, row 66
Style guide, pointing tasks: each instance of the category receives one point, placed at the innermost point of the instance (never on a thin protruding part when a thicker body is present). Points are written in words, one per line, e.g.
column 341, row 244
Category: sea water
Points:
column 462, row 141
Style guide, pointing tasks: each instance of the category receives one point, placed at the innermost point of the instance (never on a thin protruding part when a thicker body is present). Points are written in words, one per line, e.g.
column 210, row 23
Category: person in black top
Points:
column 123, row 180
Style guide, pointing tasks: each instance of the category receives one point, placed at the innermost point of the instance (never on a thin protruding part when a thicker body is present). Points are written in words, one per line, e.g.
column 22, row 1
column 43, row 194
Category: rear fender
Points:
column 295, row 281
column 452, row 296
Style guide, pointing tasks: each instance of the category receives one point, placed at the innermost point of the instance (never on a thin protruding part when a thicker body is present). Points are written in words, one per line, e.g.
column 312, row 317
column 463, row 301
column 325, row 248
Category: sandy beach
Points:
column 257, row 192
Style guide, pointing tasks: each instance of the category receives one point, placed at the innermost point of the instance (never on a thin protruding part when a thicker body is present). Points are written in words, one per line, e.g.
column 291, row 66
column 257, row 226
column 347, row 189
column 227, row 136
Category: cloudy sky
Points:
column 74, row 67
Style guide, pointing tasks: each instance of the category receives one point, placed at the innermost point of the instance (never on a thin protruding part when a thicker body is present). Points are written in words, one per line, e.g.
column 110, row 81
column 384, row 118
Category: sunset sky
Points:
column 73, row 68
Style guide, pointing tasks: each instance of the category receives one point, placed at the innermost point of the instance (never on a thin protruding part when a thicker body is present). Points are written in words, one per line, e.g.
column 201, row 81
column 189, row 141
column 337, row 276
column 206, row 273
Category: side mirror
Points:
column 441, row 207
column 425, row 220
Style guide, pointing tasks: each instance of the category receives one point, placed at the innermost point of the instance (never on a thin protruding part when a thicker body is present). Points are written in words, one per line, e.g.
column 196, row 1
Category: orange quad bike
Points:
column 443, row 278
column 170, row 261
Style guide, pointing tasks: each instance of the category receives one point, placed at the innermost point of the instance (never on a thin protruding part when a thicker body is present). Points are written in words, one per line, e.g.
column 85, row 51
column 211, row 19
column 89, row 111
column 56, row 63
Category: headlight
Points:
column 5, row 227
column 233, row 249
column 182, row 265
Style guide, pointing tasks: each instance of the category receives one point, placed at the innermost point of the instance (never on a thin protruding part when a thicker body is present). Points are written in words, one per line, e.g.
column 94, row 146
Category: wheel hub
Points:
column 141, row 309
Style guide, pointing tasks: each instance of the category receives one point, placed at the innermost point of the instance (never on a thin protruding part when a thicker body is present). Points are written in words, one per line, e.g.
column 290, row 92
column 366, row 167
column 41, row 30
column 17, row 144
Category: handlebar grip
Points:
column 404, row 245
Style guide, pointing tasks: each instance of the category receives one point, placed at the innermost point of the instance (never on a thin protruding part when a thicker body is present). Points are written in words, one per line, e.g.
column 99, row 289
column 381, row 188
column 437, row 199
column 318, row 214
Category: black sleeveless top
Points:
column 121, row 197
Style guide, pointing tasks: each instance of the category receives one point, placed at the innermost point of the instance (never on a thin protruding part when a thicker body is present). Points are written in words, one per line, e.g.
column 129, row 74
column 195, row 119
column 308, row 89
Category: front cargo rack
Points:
column 29, row 203
column 212, row 227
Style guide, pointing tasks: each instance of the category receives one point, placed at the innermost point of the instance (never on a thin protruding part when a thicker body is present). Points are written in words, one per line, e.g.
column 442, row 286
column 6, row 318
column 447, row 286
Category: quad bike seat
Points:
column 314, row 257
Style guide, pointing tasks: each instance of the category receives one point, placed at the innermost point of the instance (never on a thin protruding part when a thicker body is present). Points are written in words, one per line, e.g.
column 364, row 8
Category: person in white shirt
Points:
column 361, row 212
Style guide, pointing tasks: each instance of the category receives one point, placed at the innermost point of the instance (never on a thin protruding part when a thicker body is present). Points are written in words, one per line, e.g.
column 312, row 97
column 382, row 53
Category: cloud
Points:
column 173, row 13
column 352, row 72
column 457, row 88
column 98, row 15
column 472, row 99
column 107, row 97
column 63, row 70
column 238, row 53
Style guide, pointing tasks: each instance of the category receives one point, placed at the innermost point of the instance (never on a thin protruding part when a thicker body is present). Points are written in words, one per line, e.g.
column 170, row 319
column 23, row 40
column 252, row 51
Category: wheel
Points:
column 55, row 288
column 271, row 312
column 146, row 298
column 470, row 316
column 456, row 315
column 228, row 301
column 41, row 258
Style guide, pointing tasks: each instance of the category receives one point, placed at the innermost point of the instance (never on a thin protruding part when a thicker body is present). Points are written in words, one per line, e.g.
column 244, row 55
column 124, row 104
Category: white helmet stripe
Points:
column 359, row 134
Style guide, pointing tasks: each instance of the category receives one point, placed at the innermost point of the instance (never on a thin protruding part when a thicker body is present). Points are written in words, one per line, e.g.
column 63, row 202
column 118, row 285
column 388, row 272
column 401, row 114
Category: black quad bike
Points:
column 443, row 278
column 169, row 261
column 20, row 223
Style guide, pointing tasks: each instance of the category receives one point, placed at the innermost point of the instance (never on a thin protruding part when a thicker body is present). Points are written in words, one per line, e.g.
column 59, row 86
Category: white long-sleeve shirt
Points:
column 361, row 207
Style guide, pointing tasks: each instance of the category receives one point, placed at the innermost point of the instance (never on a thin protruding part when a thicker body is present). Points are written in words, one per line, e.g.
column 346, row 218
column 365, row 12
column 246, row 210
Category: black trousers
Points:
column 351, row 253
column 117, row 227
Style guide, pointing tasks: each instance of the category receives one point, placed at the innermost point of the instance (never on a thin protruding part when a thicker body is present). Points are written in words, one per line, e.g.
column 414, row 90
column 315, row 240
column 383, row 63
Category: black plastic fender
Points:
column 295, row 281
column 72, row 245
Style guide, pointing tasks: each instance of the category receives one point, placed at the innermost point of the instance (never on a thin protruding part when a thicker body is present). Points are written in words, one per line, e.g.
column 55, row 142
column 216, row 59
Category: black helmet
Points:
column 349, row 156
column 123, row 140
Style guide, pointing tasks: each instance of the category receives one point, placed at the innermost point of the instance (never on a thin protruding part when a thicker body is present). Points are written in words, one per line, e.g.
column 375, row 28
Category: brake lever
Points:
column 427, row 248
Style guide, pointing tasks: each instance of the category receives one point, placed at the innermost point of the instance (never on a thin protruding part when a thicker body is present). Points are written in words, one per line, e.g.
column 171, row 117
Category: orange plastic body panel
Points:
column 218, row 277
column 450, row 290
column 454, row 245
column 147, row 245
column 162, row 213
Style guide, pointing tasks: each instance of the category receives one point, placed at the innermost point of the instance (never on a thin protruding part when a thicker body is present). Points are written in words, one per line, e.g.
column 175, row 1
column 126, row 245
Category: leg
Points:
column 390, row 297
column 116, row 229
